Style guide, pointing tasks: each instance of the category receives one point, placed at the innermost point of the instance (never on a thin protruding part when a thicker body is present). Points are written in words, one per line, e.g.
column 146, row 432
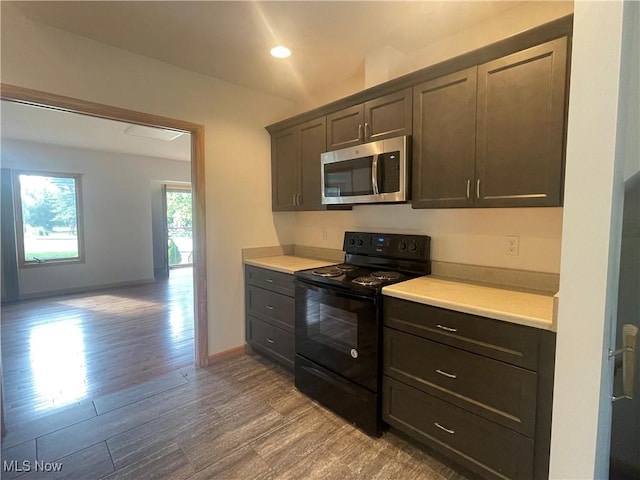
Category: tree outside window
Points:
column 48, row 211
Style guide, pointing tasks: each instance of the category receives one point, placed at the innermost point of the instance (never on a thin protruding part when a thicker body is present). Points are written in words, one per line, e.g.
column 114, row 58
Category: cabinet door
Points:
column 520, row 128
column 285, row 169
column 444, row 141
column 388, row 116
column 312, row 144
column 345, row 128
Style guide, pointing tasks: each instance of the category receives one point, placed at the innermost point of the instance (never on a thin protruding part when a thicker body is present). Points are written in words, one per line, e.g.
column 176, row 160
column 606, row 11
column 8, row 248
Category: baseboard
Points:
column 226, row 354
column 92, row 288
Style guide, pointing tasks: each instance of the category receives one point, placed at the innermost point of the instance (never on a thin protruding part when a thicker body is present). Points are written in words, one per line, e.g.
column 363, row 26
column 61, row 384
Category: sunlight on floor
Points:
column 102, row 303
column 58, row 363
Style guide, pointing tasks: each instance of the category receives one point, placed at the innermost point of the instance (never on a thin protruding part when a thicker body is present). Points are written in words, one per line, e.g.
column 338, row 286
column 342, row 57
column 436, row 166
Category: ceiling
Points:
column 231, row 40
column 44, row 125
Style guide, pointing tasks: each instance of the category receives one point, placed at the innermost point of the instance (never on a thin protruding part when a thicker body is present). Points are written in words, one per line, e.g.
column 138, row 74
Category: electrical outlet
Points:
column 324, row 234
column 512, row 245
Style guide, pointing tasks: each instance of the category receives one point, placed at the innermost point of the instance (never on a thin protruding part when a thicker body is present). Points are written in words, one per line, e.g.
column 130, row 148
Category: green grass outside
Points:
column 31, row 256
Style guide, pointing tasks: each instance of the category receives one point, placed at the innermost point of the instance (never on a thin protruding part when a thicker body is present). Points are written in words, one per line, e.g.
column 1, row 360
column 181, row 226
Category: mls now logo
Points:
column 29, row 466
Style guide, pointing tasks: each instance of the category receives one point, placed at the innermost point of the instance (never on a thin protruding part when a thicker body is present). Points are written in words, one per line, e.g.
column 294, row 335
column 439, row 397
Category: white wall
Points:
column 388, row 63
column 116, row 213
column 470, row 236
column 591, row 242
column 237, row 148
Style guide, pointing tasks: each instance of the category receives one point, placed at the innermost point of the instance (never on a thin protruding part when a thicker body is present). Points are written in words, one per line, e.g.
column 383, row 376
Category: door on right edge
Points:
column 625, row 422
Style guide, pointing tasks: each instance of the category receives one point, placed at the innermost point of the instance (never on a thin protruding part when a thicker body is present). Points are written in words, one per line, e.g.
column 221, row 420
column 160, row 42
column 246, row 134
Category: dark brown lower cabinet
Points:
column 270, row 341
column 449, row 385
column 476, row 443
column 269, row 308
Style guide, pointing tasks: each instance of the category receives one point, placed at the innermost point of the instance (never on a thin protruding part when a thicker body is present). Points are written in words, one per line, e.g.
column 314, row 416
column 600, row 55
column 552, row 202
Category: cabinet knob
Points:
column 360, row 136
column 367, row 130
column 270, row 307
column 270, row 340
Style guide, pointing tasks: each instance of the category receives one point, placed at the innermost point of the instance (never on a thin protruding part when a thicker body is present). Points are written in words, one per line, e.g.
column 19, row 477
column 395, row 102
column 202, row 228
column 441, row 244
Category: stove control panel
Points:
column 389, row 245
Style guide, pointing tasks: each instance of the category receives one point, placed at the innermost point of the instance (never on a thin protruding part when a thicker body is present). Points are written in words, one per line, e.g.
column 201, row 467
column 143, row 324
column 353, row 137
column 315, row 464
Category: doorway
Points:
column 42, row 99
column 178, row 214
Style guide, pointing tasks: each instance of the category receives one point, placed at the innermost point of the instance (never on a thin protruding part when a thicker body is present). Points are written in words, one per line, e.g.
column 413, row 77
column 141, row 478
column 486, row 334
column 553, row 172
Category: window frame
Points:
column 22, row 261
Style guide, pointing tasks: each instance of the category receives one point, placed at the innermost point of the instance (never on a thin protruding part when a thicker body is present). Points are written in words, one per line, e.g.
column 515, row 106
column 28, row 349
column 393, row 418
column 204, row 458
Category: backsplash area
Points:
column 462, row 236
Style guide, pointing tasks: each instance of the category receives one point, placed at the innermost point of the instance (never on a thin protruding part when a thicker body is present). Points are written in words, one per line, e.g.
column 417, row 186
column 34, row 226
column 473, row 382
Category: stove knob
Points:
column 352, row 241
column 402, row 246
column 413, row 247
column 360, row 242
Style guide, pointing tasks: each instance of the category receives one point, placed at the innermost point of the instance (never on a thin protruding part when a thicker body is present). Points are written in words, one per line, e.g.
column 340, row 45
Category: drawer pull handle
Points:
column 449, row 431
column 446, row 374
column 448, row 329
column 270, row 340
column 268, row 280
column 270, row 307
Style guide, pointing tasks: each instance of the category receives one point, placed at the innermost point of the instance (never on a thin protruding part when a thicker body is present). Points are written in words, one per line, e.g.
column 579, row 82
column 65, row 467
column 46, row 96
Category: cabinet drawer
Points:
column 269, row 279
column 479, row 444
column 507, row 342
column 495, row 390
column 274, row 308
column 271, row 340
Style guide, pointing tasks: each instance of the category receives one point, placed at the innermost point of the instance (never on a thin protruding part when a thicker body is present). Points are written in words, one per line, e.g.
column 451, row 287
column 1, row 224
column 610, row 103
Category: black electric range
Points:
column 338, row 322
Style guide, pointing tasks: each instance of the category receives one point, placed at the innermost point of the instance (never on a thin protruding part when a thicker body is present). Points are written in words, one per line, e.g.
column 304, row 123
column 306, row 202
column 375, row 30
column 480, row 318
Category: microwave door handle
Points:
column 374, row 174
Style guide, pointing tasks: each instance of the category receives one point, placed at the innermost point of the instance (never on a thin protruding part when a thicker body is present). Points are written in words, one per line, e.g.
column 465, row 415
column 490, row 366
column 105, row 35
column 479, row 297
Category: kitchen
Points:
column 234, row 129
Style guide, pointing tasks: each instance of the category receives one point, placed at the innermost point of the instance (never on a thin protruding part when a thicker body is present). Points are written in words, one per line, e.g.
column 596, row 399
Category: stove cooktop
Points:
column 373, row 261
column 354, row 277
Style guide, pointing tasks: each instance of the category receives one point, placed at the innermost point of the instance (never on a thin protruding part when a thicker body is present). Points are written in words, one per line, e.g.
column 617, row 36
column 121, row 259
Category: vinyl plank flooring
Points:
column 19, row 433
column 238, row 419
column 170, row 463
column 16, row 456
column 114, row 422
column 60, row 350
column 242, row 464
column 223, row 439
column 141, row 391
column 146, row 439
column 88, row 464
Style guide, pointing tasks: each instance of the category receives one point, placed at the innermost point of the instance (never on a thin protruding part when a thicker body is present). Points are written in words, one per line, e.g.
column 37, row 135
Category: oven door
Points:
column 339, row 331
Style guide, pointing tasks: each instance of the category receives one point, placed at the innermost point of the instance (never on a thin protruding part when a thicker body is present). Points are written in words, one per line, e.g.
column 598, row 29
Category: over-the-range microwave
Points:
column 375, row 172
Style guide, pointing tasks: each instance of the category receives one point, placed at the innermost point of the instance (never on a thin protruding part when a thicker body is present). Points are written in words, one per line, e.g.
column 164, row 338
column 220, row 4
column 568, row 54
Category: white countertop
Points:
column 531, row 309
column 287, row 263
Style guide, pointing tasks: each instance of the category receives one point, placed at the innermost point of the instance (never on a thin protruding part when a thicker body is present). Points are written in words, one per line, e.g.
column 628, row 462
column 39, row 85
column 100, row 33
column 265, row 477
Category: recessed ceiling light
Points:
column 280, row 52
column 152, row 132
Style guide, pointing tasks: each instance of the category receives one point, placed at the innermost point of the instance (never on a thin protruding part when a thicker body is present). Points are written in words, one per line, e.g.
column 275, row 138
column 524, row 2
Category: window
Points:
column 49, row 219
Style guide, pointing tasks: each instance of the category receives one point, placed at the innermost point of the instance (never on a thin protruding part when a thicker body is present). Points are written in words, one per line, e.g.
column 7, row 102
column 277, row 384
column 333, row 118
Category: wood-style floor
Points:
column 59, row 351
column 123, row 400
column 239, row 419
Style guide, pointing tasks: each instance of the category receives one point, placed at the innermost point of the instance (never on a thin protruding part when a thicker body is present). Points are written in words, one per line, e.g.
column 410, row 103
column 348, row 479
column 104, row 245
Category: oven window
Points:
column 348, row 178
column 335, row 327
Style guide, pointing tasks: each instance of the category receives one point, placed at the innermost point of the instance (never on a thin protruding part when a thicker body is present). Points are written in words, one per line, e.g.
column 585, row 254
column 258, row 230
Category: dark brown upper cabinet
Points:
column 493, row 135
column 295, row 166
column 383, row 117
column 444, row 139
column 520, row 128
